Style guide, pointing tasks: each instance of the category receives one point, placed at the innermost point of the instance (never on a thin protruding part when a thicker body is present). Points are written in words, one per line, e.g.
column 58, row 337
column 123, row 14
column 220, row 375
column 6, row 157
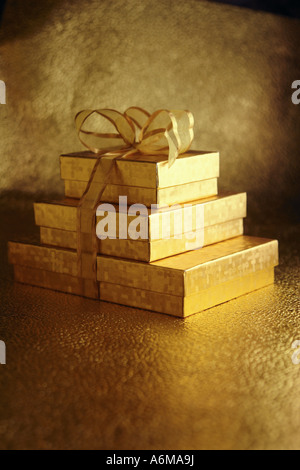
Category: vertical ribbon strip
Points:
column 136, row 131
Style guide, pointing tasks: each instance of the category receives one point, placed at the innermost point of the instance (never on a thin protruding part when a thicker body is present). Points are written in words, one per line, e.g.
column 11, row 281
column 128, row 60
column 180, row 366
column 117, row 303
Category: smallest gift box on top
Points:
column 146, row 179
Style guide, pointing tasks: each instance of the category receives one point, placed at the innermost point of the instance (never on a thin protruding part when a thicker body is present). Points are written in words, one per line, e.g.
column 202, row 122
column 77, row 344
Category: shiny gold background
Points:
column 233, row 68
column 83, row 374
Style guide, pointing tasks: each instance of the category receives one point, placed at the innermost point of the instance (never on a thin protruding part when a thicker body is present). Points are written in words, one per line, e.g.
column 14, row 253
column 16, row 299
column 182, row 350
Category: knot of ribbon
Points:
column 135, row 131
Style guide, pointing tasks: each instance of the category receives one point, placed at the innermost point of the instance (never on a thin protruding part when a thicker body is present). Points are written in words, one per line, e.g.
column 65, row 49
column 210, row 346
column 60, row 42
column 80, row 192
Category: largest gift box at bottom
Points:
column 180, row 285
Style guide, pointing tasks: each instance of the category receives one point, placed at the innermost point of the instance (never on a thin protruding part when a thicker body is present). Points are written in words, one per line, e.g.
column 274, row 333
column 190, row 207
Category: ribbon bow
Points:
column 162, row 133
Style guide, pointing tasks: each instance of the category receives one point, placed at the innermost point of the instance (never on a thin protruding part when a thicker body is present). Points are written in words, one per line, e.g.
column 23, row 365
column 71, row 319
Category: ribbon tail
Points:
column 87, row 242
column 173, row 149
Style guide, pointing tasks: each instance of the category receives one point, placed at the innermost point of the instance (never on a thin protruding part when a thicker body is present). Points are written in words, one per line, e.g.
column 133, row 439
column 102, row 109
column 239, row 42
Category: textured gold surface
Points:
column 82, row 374
column 146, row 171
column 189, row 273
column 147, row 196
column 217, row 209
column 183, row 307
column 146, row 250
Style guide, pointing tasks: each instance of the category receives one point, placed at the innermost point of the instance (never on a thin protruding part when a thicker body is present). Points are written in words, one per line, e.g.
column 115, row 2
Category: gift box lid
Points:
column 146, row 171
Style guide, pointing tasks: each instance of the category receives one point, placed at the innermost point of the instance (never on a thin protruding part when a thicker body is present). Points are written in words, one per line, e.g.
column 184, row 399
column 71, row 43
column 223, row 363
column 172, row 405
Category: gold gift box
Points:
column 147, row 171
column 147, row 250
column 222, row 219
column 189, row 283
column 186, row 306
column 155, row 301
column 146, row 179
column 217, row 209
column 180, row 285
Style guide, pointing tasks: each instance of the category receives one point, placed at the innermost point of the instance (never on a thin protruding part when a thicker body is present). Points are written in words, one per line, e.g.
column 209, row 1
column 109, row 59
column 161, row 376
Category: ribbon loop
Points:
column 138, row 115
column 106, row 142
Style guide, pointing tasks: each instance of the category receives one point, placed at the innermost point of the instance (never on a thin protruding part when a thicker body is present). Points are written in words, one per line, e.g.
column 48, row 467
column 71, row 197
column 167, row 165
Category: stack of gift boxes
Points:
column 155, row 266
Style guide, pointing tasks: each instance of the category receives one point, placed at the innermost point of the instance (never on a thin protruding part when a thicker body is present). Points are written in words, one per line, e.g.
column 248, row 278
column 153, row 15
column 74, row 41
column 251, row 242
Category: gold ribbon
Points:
column 136, row 131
